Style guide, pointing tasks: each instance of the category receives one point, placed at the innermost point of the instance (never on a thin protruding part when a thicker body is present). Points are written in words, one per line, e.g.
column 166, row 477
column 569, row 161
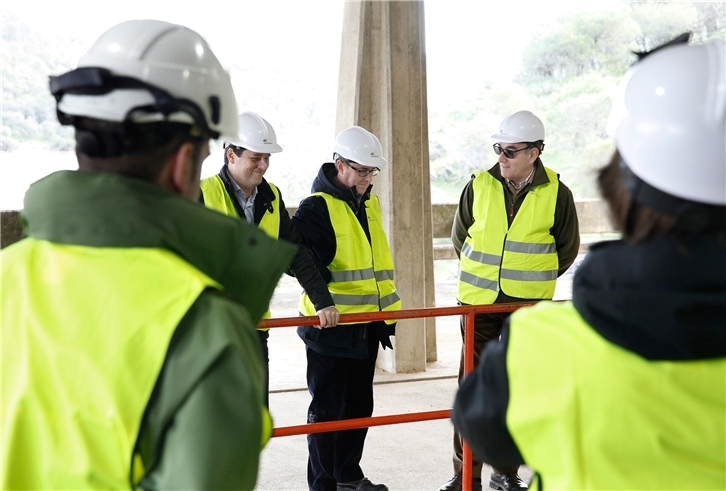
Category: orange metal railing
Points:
column 348, row 424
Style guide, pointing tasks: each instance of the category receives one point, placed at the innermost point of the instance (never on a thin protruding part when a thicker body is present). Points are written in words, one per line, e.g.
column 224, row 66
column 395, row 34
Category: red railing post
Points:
column 468, row 367
column 466, row 310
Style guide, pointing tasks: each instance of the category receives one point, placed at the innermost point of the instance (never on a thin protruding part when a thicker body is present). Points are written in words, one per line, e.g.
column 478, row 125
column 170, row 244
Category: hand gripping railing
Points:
column 349, row 424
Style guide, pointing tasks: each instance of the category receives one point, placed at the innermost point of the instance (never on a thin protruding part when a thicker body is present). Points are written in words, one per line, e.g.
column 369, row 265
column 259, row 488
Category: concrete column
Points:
column 382, row 87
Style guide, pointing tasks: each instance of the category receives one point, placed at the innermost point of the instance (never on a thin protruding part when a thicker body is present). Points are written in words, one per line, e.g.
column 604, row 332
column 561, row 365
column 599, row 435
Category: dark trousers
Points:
column 341, row 388
column 486, row 328
column 264, row 335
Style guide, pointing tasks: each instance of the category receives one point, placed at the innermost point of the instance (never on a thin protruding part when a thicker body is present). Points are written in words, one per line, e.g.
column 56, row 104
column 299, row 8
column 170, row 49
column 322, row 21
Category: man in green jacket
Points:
column 515, row 231
column 129, row 354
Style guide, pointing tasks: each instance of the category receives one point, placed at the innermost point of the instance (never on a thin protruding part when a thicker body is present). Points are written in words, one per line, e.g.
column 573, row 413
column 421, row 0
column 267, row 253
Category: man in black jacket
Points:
column 240, row 190
column 342, row 225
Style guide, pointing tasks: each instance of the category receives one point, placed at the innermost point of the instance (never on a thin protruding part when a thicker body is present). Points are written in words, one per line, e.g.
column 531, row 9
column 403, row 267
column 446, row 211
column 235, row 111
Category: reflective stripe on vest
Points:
column 217, row 198
column 520, row 260
column 588, row 414
column 361, row 272
column 85, row 334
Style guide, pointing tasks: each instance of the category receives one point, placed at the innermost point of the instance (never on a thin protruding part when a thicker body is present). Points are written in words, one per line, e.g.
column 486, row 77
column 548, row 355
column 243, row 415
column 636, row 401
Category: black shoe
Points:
column 364, row 484
column 454, row 484
column 507, row 482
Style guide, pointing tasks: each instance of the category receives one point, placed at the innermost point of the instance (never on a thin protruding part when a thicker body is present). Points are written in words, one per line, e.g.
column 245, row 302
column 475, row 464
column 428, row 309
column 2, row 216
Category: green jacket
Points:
column 208, row 395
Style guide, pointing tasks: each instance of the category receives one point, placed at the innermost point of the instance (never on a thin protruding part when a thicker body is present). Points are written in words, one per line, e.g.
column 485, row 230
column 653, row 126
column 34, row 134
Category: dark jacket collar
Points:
column 539, row 178
column 101, row 209
column 265, row 200
column 664, row 299
column 325, row 182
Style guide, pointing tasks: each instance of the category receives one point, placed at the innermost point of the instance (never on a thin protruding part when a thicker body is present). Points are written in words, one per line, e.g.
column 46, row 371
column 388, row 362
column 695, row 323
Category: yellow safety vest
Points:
column 362, row 272
column 79, row 364
column 588, row 414
column 217, row 198
column 520, row 260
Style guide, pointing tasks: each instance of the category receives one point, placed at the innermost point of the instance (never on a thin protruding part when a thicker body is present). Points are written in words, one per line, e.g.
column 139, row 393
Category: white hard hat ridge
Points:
column 170, row 57
column 255, row 134
column 361, row 146
column 669, row 121
column 520, row 127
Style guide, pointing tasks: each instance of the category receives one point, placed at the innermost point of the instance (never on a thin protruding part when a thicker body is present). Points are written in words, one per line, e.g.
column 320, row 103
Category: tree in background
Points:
column 28, row 112
column 571, row 68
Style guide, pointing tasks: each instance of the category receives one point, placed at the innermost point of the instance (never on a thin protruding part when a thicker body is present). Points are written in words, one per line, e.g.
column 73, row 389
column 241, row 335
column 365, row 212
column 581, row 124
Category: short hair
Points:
column 238, row 151
column 132, row 150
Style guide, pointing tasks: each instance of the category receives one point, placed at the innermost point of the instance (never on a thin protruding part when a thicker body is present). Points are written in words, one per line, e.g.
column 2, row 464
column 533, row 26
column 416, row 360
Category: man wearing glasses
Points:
column 341, row 224
column 515, row 231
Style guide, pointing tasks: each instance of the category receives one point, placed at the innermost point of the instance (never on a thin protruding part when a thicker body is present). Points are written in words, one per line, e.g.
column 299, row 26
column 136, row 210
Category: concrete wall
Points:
column 591, row 213
column 10, row 229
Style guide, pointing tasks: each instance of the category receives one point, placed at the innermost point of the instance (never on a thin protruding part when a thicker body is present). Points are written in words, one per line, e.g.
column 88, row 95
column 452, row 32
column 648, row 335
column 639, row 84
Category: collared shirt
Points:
column 514, row 189
column 247, row 204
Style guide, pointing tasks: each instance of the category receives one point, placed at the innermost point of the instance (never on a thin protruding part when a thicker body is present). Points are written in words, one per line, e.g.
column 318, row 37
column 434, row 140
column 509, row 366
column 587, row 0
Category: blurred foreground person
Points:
column 625, row 386
column 129, row 355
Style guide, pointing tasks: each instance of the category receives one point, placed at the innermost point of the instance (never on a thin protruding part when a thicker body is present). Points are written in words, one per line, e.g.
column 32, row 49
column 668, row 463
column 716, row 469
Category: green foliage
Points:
column 575, row 120
column 29, row 58
column 459, row 142
column 571, row 68
column 661, row 21
column 577, row 44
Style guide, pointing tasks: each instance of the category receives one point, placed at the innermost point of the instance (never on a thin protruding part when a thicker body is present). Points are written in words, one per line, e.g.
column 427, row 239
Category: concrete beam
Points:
column 382, row 87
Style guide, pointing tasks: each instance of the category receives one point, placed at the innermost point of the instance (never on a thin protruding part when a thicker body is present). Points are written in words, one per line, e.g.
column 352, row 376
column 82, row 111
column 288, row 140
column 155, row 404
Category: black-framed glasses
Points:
column 508, row 152
column 363, row 172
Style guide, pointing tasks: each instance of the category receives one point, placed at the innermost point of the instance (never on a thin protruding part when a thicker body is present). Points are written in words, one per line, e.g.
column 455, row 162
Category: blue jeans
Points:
column 341, row 388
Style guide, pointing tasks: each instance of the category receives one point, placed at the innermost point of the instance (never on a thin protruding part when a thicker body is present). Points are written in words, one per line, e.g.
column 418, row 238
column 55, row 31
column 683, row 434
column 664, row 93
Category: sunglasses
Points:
column 363, row 172
column 508, row 152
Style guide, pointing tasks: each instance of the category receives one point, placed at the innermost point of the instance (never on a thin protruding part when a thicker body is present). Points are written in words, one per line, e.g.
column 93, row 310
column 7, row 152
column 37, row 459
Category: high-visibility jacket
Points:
column 588, row 414
column 361, row 271
column 217, row 198
column 521, row 260
column 85, row 334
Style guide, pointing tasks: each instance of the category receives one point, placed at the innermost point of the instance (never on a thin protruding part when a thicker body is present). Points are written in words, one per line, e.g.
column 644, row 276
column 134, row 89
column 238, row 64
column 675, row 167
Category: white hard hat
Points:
column 360, row 146
column 255, row 134
column 520, row 127
column 149, row 71
column 669, row 121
